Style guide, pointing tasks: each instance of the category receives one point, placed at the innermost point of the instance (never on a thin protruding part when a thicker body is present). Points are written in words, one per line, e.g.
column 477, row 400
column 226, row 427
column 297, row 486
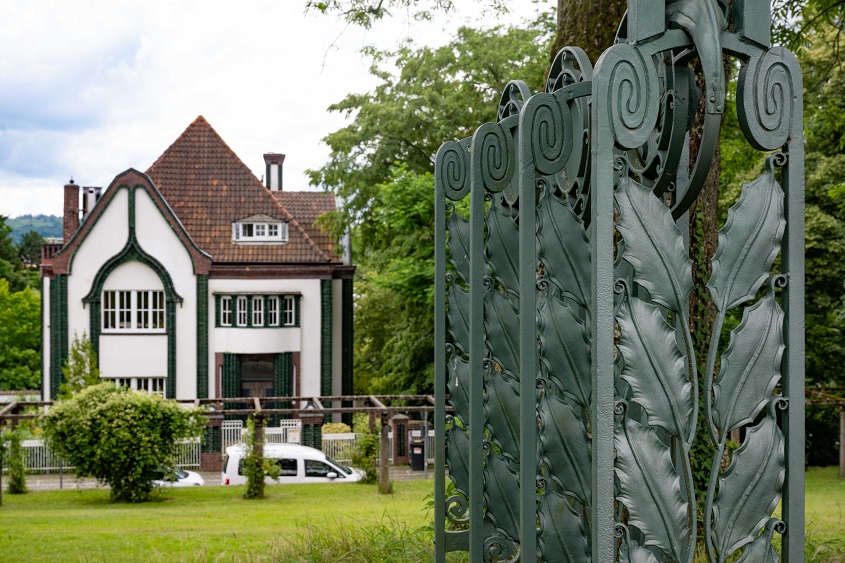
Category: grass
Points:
column 194, row 524
column 295, row 523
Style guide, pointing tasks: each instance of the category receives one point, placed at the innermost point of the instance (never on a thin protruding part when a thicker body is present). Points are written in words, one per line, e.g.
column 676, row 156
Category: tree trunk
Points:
column 589, row 24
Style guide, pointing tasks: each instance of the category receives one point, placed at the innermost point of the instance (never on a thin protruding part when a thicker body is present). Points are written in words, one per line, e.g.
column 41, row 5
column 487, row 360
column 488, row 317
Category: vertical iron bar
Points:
column 601, row 329
column 527, row 345
column 439, row 371
column 476, row 355
column 793, row 304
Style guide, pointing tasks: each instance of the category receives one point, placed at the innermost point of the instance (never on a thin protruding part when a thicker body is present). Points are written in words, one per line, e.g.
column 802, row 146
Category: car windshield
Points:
column 339, row 466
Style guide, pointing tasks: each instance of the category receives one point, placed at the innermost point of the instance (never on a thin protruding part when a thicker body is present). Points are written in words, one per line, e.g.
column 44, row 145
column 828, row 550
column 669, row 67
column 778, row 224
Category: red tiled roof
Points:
column 306, row 207
column 209, row 188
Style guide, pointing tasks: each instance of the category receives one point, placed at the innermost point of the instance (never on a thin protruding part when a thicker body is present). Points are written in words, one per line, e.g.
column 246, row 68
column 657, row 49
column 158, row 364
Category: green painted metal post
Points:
column 526, row 179
column 793, row 300
column 477, row 353
column 439, row 361
column 601, row 327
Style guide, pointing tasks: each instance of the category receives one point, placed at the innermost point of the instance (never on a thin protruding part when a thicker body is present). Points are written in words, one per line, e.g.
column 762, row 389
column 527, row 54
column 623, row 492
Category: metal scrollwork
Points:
column 631, row 91
column 571, row 364
column 766, row 98
column 452, row 164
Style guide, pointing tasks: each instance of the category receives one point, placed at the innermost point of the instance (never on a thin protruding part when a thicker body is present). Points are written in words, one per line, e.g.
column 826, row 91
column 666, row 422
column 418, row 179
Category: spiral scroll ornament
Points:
column 493, row 156
column 452, row 170
column 571, row 65
column 633, row 94
column 550, row 128
column 767, row 93
column 515, row 94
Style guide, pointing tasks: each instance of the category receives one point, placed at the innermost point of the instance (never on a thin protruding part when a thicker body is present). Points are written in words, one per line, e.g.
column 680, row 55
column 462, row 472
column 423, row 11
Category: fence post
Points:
column 842, row 442
column 384, row 455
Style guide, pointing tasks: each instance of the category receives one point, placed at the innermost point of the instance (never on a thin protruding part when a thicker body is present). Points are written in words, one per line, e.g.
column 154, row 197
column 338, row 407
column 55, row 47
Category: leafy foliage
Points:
column 80, row 370
column 119, row 436
column 256, row 466
column 12, row 455
column 425, row 96
column 29, row 249
column 20, row 338
column 366, row 449
column 335, row 428
column 366, row 12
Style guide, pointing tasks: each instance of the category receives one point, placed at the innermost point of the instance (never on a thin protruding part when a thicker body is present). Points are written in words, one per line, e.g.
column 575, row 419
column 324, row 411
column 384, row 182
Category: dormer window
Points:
column 260, row 229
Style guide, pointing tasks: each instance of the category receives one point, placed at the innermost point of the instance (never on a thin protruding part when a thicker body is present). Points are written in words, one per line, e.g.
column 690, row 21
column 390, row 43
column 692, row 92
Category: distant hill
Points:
column 44, row 225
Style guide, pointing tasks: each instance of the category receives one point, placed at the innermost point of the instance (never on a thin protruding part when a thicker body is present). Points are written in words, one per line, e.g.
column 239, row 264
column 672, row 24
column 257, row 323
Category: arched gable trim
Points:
column 62, row 260
column 132, row 251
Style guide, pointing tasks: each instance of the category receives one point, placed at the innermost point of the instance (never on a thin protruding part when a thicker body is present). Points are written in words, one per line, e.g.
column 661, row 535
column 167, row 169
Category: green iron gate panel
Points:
column 562, row 324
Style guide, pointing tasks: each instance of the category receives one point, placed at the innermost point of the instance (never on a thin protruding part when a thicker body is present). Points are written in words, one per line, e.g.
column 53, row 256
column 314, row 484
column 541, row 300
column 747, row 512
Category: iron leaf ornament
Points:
column 654, row 246
column 654, row 367
column 750, row 488
column 650, row 488
column 563, row 306
column 749, row 242
column 750, row 366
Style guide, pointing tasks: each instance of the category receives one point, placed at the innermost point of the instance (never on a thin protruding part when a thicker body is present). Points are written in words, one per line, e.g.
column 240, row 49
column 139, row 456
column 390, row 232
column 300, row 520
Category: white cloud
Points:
column 92, row 88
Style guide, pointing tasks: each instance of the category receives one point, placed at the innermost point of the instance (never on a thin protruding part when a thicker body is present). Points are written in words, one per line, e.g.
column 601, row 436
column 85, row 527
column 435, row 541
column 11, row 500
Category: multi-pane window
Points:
column 260, row 232
column 290, row 314
column 242, row 310
column 273, row 311
column 152, row 385
column 133, row 311
column 226, row 311
column 257, row 311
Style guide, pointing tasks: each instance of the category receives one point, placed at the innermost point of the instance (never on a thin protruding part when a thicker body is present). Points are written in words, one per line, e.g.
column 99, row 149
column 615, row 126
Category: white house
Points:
column 195, row 280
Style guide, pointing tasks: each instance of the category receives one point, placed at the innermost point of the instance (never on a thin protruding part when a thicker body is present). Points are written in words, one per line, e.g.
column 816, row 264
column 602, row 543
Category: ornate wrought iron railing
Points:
column 562, row 327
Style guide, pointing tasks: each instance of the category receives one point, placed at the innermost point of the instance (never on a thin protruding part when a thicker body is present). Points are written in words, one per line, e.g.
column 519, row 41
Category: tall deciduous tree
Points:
column 20, row 338
column 425, row 96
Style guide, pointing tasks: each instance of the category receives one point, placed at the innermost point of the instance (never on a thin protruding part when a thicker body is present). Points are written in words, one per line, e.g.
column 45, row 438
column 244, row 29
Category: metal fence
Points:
column 39, row 459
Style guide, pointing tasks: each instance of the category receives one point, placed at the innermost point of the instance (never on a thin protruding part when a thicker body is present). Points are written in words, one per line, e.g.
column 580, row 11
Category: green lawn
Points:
column 825, row 510
column 215, row 524
column 192, row 524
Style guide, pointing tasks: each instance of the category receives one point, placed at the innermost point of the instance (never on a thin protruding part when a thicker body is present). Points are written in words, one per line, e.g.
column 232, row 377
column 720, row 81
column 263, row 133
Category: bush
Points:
column 335, row 428
column 366, row 449
column 12, row 453
column 119, row 436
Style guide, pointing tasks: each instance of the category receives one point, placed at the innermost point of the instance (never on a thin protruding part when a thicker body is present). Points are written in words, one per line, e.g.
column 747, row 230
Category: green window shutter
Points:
column 325, row 337
column 202, row 336
column 296, row 320
column 217, row 310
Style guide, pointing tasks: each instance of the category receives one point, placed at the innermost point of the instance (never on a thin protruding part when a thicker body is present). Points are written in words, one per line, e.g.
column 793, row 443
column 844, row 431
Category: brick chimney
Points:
column 71, row 217
column 273, row 178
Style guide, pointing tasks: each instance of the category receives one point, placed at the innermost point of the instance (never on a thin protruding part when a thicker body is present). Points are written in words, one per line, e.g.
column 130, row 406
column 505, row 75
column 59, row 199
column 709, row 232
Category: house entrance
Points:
column 257, row 375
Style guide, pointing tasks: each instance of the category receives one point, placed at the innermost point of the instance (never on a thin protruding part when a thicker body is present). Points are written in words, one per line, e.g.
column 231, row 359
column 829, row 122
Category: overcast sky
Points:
column 91, row 88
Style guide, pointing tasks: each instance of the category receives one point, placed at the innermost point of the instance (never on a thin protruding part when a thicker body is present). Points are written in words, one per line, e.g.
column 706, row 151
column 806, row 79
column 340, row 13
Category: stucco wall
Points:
column 305, row 339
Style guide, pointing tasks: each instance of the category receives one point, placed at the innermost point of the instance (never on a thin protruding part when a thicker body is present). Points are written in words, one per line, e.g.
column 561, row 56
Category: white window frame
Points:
column 133, row 311
column 289, row 311
column 260, row 232
column 273, row 310
column 226, row 313
column 242, row 310
column 152, row 385
column 258, row 311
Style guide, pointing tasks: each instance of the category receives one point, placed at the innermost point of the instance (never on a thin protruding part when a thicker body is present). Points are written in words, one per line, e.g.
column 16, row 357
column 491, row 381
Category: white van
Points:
column 298, row 464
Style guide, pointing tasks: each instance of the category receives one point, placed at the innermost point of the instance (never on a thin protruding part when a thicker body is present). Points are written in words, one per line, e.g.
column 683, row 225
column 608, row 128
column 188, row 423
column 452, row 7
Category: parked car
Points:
column 177, row 478
column 297, row 464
